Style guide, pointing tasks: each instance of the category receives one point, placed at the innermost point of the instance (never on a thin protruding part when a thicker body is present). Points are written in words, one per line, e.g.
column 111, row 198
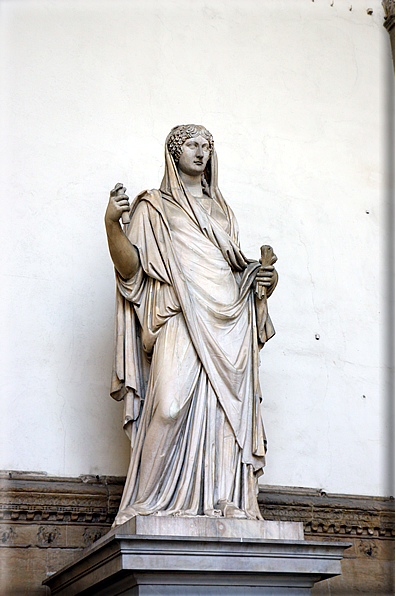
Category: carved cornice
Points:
column 26, row 497
column 92, row 502
column 330, row 515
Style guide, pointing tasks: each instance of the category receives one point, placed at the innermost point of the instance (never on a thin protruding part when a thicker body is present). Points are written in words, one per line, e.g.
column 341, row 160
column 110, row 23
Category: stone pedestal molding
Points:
column 223, row 557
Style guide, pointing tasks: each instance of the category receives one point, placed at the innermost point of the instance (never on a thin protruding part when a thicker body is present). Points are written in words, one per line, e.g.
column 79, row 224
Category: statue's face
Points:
column 194, row 157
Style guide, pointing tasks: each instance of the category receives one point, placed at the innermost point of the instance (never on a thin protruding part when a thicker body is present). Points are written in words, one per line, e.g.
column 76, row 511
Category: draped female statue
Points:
column 191, row 317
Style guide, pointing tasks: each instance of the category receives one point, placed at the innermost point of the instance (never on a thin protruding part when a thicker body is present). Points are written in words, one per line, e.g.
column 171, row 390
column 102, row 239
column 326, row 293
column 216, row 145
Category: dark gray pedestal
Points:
column 136, row 565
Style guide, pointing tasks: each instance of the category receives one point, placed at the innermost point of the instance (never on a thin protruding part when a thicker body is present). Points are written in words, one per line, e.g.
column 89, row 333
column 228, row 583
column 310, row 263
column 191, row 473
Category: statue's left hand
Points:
column 267, row 276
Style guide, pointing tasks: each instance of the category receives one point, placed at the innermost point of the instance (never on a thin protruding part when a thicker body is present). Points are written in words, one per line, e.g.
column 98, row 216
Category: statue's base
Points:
column 209, row 527
column 148, row 556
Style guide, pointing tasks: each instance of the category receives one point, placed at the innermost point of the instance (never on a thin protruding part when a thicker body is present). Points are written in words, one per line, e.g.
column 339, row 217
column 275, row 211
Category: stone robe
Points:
column 188, row 333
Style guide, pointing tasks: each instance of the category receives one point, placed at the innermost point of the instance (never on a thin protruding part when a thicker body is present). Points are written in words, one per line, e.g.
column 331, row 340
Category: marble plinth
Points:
column 207, row 527
column 234, row 563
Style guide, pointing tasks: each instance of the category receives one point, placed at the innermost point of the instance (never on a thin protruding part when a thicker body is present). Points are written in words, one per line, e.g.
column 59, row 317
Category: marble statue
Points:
column 191, row 317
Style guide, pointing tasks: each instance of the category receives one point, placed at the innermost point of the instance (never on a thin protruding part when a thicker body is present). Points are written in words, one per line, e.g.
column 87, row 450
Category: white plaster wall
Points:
column 295, row 94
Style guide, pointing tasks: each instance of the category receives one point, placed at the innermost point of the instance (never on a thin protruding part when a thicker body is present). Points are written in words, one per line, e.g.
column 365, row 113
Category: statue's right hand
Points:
column 118, row 203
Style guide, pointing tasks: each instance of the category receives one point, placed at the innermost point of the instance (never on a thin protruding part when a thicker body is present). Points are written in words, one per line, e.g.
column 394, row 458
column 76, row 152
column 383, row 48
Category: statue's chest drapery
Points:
column 212, row 286
column 205, row 285
column 208, row 275
column 187, row 259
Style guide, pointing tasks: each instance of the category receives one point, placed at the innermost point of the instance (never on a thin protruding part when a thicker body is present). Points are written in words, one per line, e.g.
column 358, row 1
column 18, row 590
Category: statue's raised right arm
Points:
column 124, row 255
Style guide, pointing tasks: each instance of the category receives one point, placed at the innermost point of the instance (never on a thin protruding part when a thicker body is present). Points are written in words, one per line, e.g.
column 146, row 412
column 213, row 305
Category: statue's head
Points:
column 179, row 135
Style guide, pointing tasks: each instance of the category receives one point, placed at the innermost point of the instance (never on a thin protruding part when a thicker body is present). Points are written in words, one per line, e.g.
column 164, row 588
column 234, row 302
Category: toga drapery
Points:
column 187, row 337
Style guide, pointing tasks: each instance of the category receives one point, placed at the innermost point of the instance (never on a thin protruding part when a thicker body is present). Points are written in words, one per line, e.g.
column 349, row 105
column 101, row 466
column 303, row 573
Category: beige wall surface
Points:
column 297, row 97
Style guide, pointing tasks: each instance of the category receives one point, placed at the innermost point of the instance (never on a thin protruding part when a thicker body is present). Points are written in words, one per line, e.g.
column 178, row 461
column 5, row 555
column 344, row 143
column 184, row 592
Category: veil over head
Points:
column 173, row 186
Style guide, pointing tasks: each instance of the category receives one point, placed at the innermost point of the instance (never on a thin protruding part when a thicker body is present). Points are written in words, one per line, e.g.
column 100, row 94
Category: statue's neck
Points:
column 192, row 183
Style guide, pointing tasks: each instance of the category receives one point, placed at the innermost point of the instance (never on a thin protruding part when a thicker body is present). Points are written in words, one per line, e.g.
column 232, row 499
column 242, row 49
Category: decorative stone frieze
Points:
column 41, row 498
column 328, row 514
column 94, row 500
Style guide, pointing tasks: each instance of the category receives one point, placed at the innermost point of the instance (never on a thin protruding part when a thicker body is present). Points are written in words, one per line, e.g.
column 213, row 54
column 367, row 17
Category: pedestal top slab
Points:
column 207, row 527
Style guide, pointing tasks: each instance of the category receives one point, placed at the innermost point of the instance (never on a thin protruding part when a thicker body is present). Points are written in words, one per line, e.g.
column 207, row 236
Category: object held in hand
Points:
column 125, row 216
column 268, row 257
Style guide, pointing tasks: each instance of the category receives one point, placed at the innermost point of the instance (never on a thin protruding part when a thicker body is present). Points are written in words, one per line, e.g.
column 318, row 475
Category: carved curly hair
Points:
column 179, row 134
